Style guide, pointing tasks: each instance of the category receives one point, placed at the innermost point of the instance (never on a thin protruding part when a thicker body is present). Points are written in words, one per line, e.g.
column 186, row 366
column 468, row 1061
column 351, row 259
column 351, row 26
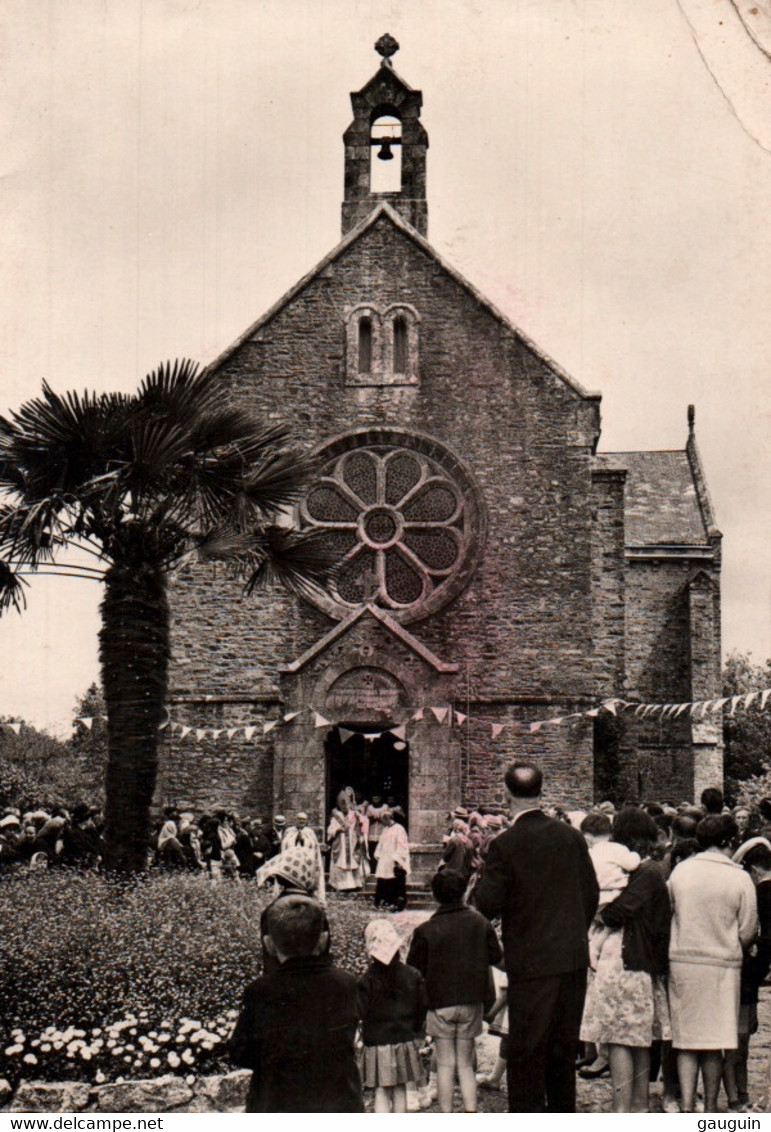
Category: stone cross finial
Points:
column 386, row 46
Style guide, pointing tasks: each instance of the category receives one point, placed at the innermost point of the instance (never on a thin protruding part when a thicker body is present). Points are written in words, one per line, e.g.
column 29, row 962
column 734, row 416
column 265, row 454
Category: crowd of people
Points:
column 632, row 944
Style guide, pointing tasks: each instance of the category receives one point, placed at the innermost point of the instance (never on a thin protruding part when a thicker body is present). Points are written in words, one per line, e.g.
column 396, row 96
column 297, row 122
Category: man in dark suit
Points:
column 539, row 879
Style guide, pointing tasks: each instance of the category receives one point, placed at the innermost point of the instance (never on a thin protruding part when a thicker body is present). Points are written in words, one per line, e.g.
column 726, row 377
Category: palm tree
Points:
column 141, row 485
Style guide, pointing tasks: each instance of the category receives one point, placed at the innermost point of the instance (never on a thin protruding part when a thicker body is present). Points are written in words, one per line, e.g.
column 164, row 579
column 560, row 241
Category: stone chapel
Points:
column 493, row 561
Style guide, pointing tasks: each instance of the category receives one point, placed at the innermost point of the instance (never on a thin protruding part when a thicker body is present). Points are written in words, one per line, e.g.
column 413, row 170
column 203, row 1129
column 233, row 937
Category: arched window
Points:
column 400, row 344
column 385, row 167
column 365, row 345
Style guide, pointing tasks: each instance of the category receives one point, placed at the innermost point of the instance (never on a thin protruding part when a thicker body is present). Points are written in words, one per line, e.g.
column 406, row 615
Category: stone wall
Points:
column 226, row 1093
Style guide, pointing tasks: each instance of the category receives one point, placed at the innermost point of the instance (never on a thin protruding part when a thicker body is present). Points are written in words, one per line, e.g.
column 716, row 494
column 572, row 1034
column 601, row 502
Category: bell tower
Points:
column 386, row 128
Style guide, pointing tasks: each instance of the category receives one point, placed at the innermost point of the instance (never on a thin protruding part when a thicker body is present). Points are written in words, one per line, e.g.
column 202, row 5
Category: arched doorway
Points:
column 372, row 767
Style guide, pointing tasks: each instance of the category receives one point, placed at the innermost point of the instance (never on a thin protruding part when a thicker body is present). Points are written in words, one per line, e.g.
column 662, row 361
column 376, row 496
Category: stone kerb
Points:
column 224, row 1093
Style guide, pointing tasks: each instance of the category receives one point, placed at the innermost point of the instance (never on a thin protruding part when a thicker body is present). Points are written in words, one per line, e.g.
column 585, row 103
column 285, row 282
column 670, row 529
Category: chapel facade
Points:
column 495, row 567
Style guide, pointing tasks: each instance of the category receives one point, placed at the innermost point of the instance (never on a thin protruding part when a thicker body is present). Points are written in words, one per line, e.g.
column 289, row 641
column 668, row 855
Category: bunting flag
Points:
column 231, row 731
column 216, row 733
column 248, row 733
column 497, row 728
column 86, row 720
column 290, row 715
column 750, row 698
column 399, row 732
column 372, row 735
column 345, row 734
column 440, row 713
column 271, row 723
column 535, row 726
column 764, row 697
column 611, row 706
column 680, row 709
column 417, row 716
column 15, row 727
column 185, row 731
column 594, row 712
column 200, row 733
column 319, row 720
column 460, row 717
column 735, row 700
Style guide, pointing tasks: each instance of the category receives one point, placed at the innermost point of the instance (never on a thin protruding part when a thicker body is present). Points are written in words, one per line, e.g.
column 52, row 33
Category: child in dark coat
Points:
column 392, row 1003
column 454, row 951
column 298, row 1026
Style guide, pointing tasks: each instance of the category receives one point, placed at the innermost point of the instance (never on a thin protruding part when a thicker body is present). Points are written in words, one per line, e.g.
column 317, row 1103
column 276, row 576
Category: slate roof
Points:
column 662, row 504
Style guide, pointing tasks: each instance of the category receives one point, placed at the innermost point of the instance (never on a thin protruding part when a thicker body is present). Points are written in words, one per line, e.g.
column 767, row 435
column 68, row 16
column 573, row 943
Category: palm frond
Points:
column 11, row 589
column 299, row 561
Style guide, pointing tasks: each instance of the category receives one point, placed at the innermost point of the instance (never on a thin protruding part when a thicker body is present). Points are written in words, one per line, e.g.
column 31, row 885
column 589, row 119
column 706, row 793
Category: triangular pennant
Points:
column 200, row 733
column 559, row 719
column 103, row 717
column 680, row 709
column 440, row 713
column 216, row 733
column 694, row 708
column 271, row 723
column 497, row 728
column 750, row 698
column 166, row 723
column 418, row 715
column 639, row 710
column 249, row 732
column 290, row 715
column 460, row 717
column 718, row 704
column 320, row 721
column 372, row 735
column 610, row 706
column 764, row 698
column 184, row 731
column 231, row 731
column 15, row 727
column 399, row 732
column 735, row 701
column 87, row 721
column 592, row 713
column 345, row 734
column 536, row 726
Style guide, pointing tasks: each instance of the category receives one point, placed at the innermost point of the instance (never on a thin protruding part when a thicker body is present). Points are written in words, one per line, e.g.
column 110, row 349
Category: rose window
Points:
column 402, row 523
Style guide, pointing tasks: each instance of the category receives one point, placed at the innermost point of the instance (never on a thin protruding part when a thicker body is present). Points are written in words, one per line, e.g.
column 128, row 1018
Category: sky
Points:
column 600, row 170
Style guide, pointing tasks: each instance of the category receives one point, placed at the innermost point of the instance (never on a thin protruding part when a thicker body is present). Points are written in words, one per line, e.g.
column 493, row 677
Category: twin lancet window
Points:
column 382, row 346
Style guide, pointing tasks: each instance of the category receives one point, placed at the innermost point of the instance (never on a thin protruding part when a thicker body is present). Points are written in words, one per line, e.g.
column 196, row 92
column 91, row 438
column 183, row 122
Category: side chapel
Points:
column 493, row 562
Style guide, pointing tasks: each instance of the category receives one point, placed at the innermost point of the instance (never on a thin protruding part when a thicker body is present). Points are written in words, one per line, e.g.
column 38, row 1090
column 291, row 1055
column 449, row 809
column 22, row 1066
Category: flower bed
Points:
column 103, row 982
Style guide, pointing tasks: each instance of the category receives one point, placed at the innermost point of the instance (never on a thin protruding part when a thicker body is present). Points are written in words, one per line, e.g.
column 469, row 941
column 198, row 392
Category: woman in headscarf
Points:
column 293, row 872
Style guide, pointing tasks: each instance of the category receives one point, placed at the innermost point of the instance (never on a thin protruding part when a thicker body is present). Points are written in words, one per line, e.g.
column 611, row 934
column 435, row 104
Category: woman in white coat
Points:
column 714, row 917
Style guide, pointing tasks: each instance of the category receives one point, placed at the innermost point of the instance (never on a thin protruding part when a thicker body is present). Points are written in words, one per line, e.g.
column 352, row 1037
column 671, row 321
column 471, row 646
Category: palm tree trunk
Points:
column 134, row 657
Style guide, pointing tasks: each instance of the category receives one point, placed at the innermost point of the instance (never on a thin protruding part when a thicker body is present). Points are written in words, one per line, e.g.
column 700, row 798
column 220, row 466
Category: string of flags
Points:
column 446, row 713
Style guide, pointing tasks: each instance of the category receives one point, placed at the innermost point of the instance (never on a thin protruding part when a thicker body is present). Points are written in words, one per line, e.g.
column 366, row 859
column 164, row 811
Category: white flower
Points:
column 11, row 1050
column 188, row 1057
column 30, row 1059
column 45, row 1047
column 99, row 1077
column 190, row 1079
column 155, row 1062
column 173, row 1059
column 86, row 1054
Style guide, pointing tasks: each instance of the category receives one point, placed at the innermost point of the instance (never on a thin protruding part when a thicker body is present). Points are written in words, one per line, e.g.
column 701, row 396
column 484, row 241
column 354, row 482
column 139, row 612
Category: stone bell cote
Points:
column 385, row 148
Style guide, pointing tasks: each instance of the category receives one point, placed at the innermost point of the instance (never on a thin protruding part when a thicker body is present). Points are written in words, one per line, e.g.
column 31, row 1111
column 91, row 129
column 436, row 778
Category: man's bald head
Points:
column 523, row 780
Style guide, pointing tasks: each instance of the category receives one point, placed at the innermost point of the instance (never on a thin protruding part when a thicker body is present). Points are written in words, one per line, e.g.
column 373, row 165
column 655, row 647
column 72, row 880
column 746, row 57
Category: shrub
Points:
column 101, row 980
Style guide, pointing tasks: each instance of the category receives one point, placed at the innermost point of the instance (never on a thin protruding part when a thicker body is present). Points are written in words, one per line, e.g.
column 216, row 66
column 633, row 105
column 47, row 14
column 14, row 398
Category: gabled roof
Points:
column 383, row 211
column 392, row 626
column 661, row 498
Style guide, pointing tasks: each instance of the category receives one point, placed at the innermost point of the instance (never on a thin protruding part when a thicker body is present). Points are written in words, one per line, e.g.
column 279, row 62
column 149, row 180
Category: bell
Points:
column 384, row 153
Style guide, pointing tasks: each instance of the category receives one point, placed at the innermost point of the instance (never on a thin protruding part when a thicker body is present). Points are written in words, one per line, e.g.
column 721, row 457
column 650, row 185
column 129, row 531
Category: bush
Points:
column 101, row 980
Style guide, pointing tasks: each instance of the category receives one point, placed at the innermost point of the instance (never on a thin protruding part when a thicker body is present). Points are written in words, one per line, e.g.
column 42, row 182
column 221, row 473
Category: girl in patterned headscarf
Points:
column 393, row 1003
